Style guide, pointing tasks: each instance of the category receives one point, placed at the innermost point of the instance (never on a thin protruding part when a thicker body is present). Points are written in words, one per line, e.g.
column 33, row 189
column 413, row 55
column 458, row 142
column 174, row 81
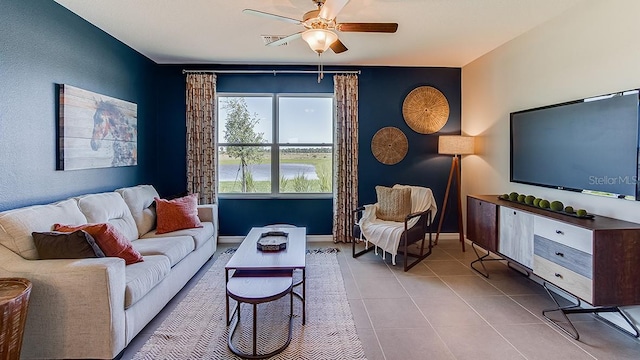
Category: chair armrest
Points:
column 357, row 213
column 208, row 213
column 416, row 214
column 76, row 307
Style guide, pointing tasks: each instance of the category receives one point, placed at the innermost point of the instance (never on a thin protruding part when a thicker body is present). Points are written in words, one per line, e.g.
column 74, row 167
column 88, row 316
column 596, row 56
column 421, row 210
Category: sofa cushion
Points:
column 109, row 208
column 143, row 276
column 177, row 214
column 61, row 245
column 140, row 200
column 17, row 225
column 199, row 235
column 175, row 248
column 109, row 239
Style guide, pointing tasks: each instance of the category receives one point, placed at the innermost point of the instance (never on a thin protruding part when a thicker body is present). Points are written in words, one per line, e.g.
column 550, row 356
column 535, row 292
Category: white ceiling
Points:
column 449, row 33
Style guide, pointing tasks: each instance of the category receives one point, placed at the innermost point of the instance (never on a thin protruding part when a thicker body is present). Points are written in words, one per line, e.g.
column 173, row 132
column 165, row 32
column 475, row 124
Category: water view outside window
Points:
column 275, row 144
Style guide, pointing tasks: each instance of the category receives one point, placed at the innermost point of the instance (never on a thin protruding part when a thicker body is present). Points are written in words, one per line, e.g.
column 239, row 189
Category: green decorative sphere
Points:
column 536, row 202
column 557, row 205
column 581, row 212
column 544, row 204
column 529, row 199
column 513, row 196
column 521, row 198
column 569, row 210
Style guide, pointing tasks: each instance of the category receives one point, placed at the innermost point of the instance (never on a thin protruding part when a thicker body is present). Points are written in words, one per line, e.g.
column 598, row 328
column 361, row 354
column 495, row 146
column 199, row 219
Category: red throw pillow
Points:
column 111, row 241
column 177, row 214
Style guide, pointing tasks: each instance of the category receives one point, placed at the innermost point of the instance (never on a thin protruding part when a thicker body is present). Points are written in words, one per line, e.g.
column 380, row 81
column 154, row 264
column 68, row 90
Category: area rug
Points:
column 196, row 329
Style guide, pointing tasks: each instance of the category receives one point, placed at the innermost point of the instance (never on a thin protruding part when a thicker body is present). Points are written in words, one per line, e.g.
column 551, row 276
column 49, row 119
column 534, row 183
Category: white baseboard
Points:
column 322, row 238
column 447, row 236
column 238, row 239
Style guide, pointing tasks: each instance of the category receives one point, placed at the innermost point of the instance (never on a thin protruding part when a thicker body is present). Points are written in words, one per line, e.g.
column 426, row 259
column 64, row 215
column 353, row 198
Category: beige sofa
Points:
column 93, row 308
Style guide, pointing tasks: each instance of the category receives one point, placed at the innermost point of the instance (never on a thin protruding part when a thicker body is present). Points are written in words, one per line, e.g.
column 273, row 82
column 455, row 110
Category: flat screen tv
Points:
column 588, row 145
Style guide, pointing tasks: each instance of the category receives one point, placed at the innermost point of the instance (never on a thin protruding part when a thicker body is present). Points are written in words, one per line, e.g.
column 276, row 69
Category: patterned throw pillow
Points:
column 177, row 214
column 109, row 239
column 393, row 204
column 62, row 245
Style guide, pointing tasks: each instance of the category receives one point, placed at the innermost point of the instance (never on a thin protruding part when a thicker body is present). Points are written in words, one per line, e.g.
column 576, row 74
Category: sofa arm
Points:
column 76, row 308
column 209, row 213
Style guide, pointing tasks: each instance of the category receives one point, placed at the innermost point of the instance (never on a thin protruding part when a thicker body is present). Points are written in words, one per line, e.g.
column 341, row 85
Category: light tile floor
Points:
column 441, row 309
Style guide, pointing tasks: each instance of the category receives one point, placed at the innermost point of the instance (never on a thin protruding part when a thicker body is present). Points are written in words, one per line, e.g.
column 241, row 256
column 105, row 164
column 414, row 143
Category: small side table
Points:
column 14, row 300
column 257, row 287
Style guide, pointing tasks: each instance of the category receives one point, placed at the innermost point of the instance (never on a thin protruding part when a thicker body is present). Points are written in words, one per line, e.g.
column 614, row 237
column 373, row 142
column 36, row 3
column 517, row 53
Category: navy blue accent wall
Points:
column 381, row 93
column 42, row 44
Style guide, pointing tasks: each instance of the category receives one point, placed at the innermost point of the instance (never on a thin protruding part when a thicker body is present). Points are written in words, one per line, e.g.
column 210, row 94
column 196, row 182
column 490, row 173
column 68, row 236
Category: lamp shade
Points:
column 455, row 145
column 319, row 39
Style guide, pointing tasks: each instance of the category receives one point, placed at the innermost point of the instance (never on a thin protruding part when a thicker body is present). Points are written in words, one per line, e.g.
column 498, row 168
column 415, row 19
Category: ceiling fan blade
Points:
column 285, row 39
column 331, row 8
column 338, row 47
column 272, row 16
column 368, row 27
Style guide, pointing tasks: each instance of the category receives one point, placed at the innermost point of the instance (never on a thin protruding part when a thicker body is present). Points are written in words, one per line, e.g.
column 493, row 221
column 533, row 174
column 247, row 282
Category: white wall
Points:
column 591, row 49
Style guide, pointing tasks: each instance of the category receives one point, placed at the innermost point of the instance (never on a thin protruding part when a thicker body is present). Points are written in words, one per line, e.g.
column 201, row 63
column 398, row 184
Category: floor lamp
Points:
column 454, row 145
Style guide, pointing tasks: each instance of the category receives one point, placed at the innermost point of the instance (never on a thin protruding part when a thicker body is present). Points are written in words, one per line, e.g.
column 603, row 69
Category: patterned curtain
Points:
column 345, row 190
column 201, row 130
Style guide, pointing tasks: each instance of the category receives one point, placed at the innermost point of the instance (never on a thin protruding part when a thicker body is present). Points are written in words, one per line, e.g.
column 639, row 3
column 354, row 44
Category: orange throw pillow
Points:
column 111, row 241
column 177, row 214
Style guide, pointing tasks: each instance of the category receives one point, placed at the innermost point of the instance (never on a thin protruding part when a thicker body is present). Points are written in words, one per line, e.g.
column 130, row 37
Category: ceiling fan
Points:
column 320, row 25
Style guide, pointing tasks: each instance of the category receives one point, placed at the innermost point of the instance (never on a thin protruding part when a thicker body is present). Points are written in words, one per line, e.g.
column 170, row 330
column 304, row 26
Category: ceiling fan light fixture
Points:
column 319, row 40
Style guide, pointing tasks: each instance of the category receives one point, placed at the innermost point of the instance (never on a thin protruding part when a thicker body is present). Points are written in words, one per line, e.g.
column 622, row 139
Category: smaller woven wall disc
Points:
column 389, row 145
column 425, row 110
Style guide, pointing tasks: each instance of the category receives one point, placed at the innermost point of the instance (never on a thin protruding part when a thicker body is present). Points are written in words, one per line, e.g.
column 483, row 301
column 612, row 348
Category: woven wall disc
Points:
column 425, row 110
column 389, row 145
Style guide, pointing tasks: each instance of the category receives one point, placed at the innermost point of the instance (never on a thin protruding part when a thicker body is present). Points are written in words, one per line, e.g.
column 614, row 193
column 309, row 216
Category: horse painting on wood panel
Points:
column 96, row 130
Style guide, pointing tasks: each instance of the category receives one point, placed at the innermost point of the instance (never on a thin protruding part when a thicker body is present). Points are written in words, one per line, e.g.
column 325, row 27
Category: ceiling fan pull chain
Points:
column 319, row 68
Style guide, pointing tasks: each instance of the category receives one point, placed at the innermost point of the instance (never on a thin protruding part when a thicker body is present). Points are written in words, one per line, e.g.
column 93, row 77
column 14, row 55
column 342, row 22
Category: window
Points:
column 275, row 144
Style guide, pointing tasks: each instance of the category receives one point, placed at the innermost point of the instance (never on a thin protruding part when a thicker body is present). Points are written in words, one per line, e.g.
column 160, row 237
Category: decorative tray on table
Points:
column 273, row 241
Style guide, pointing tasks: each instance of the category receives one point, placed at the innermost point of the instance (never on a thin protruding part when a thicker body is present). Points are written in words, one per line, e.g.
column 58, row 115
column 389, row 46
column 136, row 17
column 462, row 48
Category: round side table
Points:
column 14, row 300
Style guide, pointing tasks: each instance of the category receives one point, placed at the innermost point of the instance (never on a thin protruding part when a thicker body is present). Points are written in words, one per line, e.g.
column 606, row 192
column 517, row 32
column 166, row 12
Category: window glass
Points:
column 245, row 119
column 244, row 169
column 304, row 120
column 296, row 159
column 305, row 169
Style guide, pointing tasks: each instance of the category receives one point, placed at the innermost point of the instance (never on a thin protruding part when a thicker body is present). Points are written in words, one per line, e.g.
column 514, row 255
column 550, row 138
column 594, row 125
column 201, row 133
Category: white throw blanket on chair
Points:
column 386, row 234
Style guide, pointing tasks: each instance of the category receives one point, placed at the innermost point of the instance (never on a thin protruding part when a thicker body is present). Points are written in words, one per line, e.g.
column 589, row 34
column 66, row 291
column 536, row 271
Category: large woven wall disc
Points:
column 425, row 110
column 389, row 145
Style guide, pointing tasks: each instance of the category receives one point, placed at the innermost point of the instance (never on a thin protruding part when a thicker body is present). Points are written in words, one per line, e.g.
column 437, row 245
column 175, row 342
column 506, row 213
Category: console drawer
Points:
column 565, row 256
column 565, row 279
column 569, row 235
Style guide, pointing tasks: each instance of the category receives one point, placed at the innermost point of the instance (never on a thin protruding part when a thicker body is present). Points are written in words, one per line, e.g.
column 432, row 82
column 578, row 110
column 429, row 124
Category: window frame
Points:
column 274, row 144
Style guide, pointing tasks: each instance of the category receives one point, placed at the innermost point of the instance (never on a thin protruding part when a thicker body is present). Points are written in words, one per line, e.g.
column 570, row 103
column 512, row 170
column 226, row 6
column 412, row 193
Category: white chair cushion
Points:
column 17, row 225
column 143, row 276
column 139, row 199
column 199, row 235
column 175, row 248
column 109, row 207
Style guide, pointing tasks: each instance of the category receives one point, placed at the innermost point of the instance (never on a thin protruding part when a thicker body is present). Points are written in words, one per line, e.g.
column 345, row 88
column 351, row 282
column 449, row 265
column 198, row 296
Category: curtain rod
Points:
column 274, row 72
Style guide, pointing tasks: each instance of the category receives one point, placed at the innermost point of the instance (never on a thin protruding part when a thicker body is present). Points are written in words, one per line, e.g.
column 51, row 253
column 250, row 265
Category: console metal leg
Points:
column 576, row 309
column 481, row 260
column 518, row 269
